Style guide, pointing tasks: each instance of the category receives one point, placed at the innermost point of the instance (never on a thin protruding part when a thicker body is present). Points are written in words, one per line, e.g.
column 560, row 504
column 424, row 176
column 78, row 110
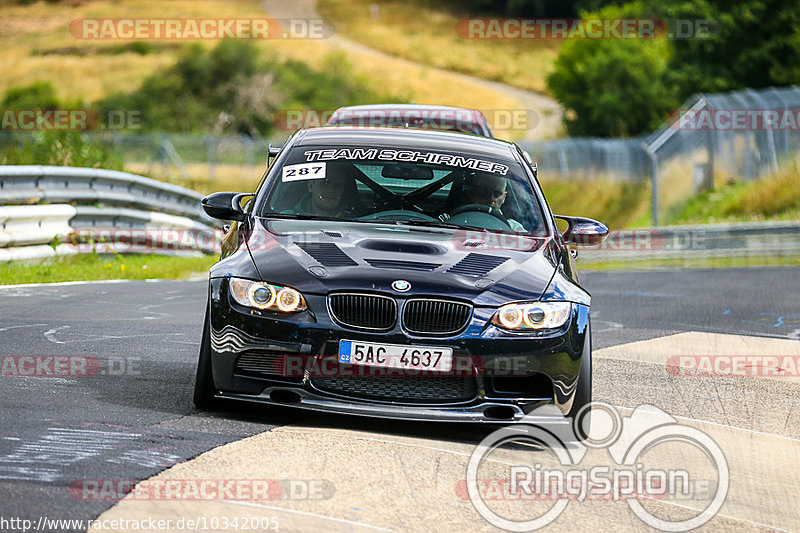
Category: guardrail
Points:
column 26, row 231
column 134, row 213
column 748, row 240
column 34, row 224
column 33, row 184
column 122, row 203
column 41, row 231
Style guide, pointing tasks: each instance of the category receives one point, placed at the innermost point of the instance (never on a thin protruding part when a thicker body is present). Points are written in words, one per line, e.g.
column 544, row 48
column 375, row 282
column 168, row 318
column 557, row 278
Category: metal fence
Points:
column 166, row 153
column 186, row 159
column 735, row 136
column 680, row 159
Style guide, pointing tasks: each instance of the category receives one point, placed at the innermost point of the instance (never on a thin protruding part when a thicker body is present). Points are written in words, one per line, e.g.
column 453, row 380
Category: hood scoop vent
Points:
column 331, row 233
column 477, row 264
column 403, row 265
column 403, row 247
column 326, row 253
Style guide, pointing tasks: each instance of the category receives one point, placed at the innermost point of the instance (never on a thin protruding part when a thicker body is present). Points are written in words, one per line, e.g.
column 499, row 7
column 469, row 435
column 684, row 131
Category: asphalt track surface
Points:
column 133, row 418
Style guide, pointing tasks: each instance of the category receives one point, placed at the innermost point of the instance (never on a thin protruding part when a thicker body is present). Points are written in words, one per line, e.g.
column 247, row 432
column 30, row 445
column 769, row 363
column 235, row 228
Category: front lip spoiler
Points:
column 472, row 413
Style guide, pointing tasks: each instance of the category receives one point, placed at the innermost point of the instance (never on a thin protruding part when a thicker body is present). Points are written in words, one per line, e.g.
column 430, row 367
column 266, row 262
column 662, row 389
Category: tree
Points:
column 749, row 43
column 613, row 87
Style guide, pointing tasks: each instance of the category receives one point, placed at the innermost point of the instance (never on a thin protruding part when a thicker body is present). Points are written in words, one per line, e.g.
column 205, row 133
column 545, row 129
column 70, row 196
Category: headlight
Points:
column 535, row 315
column 266, row 296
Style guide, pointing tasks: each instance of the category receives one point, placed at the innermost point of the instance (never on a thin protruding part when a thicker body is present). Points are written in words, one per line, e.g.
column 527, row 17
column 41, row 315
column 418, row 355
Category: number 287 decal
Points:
column 304, row 171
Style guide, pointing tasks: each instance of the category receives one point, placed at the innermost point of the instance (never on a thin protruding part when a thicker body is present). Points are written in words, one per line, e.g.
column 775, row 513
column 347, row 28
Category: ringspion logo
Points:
column 558, row 469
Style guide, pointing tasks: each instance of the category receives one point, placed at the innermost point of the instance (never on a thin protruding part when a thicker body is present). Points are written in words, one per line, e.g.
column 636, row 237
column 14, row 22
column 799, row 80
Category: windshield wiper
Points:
column 435, row 224
column 303, row 216
column 411, row 222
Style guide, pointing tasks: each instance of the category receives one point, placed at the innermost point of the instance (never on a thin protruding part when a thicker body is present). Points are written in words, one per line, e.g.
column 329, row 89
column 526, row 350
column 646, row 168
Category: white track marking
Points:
column 50, row 335
column 23, row 326
column 67, row 283
column 305, row 513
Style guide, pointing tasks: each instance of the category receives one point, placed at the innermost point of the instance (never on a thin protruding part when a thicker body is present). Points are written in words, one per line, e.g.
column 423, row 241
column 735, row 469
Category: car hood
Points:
column 484, row 267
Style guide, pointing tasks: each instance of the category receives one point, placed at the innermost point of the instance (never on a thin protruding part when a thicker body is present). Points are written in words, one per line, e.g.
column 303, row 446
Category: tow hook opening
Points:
column 499, row 412
column 284, row 396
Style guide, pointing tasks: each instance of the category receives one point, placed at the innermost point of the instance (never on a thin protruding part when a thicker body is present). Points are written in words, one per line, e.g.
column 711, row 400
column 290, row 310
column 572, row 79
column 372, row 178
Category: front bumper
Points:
column 513, row 374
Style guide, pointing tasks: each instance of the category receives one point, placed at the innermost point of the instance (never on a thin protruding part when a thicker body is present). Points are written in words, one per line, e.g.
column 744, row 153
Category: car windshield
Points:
column 419, row 124
column 460, row 126
column 415, row 187
column 447, row 119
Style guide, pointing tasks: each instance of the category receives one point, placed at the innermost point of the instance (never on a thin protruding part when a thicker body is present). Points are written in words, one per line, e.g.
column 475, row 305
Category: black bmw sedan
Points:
column 397, row 273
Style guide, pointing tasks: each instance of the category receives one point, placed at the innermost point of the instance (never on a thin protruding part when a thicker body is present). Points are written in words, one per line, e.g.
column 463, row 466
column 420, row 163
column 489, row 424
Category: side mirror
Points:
column 584, row 231
column 272, row 151
column 225, row 205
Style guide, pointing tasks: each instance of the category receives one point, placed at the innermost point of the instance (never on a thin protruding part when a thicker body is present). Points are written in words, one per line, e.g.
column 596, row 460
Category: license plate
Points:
column 402, row 356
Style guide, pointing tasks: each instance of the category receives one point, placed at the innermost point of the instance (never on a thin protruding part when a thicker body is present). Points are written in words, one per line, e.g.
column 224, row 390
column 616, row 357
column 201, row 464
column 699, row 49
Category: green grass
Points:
column 616, row 204
column 627, row 205
column 775, row 197
column 87, row 267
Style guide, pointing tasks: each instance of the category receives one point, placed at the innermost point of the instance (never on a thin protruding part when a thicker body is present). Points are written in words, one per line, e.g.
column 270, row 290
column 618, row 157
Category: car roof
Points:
column 403, row 107
column 411, row 138
column 473, row 117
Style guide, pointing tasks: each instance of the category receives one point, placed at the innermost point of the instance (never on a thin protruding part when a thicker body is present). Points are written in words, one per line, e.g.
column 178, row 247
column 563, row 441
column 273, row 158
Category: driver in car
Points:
column 490, row 190
column 333, row 196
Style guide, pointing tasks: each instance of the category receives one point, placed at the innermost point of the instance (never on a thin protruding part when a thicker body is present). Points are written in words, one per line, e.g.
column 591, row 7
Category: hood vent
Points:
column 331, row 233
column 403, row 265
column 403, row 247
column 326, row 253
column 477, row 264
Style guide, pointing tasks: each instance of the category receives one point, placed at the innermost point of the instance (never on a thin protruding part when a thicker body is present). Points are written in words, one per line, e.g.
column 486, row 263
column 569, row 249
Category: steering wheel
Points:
column 393, row 214
column 481, row 209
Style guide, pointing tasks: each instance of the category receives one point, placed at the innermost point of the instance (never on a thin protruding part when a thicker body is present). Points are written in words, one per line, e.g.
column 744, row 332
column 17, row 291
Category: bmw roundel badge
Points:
column 401, row 285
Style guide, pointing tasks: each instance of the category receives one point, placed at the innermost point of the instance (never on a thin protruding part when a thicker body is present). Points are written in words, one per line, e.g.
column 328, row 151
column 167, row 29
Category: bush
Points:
column 230, row 89
column 38, row 95
column 613, row 87
column 533, row 8
column 60, row 148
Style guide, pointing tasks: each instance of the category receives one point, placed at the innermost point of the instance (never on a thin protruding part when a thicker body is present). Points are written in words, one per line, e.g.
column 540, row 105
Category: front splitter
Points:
column 487, row 412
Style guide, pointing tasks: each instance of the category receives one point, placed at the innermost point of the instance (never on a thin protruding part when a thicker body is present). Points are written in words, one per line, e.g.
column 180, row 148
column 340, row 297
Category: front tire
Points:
column 204, row 388
column 583, row 391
